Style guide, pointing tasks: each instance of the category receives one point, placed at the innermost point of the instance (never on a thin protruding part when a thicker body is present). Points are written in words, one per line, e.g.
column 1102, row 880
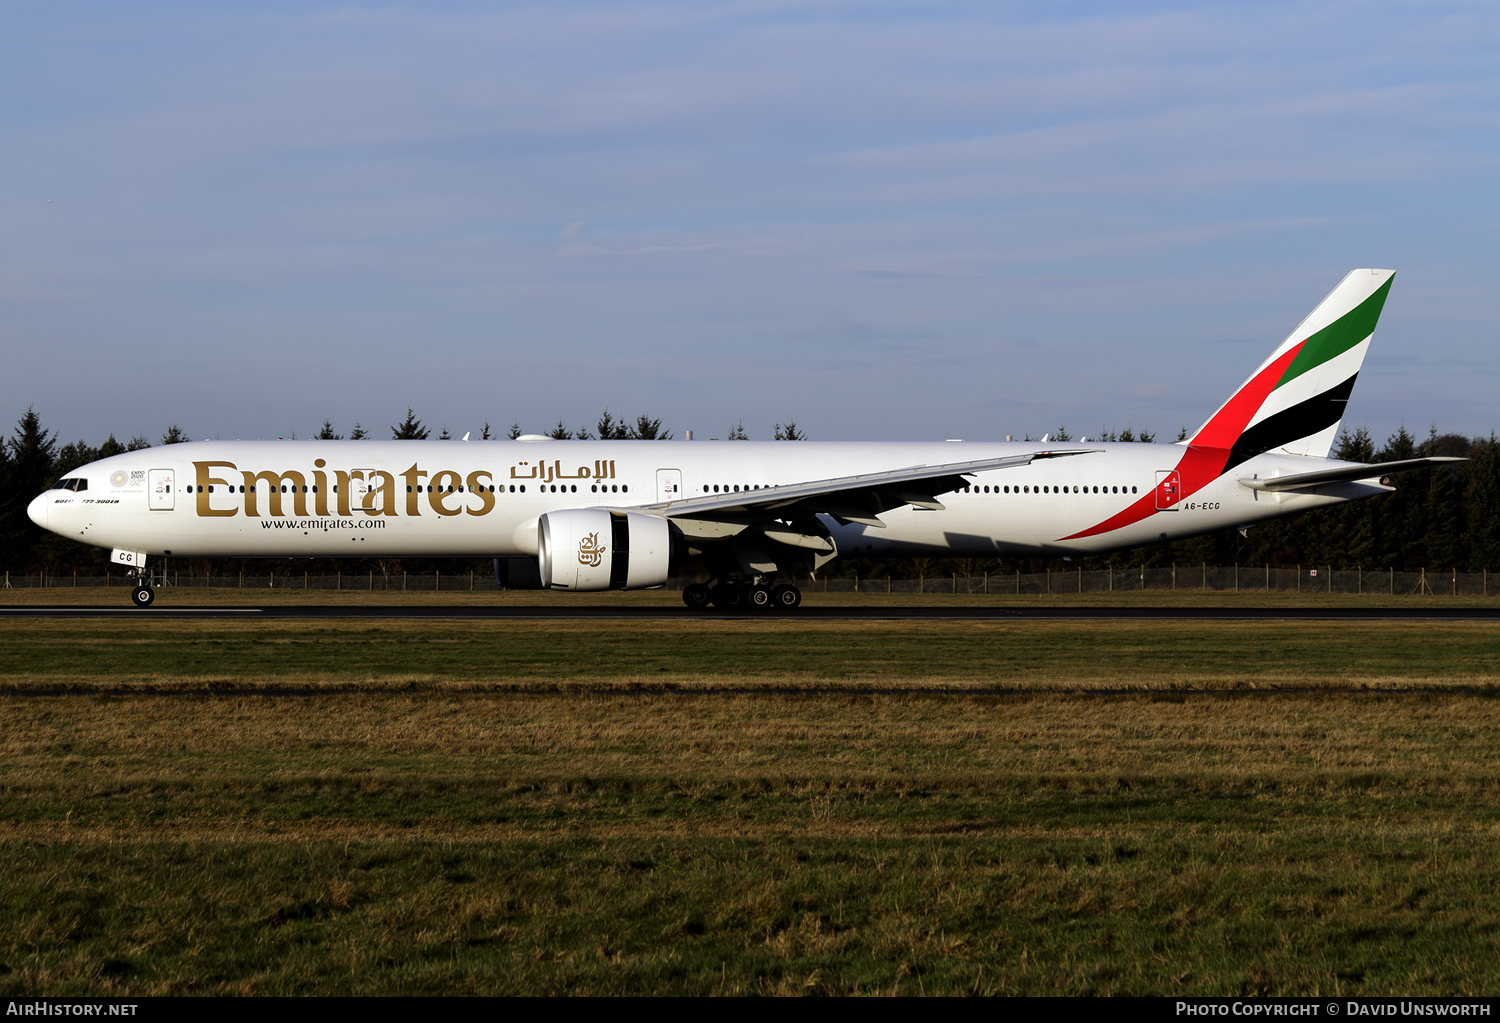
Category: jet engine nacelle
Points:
column 593, row 549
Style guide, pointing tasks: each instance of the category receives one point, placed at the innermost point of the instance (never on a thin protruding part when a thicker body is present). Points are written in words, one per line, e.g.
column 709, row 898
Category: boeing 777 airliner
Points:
column 590, row 515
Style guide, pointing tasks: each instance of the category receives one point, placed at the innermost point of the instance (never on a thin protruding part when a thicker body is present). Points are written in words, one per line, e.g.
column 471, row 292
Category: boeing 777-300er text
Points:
column 592, row 515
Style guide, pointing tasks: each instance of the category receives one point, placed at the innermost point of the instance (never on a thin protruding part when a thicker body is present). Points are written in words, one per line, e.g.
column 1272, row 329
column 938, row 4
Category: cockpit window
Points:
column 74, row 484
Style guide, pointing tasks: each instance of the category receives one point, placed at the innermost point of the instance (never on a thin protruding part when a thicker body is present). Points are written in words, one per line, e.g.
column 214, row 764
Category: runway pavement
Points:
column 601, row 611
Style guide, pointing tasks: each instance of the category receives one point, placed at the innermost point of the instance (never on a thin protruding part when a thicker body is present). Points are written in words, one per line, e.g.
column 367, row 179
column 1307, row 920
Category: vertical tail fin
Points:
column 1295, row 401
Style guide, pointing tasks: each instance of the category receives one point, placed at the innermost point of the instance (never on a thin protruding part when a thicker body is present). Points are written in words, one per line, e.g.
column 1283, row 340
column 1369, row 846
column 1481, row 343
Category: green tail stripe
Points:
column 1339, row 336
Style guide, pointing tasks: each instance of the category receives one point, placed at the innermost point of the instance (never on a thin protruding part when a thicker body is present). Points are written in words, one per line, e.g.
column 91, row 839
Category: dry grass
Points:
column 788, row 836
column 760, row 654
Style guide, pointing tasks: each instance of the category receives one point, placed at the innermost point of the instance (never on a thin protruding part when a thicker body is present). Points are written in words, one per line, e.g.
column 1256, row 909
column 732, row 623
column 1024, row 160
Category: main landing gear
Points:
column 742, row 596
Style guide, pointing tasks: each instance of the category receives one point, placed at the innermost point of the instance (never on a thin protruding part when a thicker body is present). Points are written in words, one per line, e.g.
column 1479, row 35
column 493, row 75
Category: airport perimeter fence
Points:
column 1201, row 578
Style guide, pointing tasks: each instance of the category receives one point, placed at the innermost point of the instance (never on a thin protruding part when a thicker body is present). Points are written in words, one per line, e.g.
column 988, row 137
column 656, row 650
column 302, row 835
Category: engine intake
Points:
column 594, row 549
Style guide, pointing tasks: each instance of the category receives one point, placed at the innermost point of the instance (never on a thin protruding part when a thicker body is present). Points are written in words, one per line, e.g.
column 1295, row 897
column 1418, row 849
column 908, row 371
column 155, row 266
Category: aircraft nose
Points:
column 37, row 509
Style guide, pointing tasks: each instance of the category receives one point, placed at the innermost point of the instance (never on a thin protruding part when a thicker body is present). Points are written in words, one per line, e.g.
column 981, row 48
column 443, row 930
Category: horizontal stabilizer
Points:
column 1344, row 474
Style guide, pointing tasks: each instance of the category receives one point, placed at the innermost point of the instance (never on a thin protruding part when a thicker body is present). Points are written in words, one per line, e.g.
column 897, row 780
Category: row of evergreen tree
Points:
column 607, row 428
column 1444, row 517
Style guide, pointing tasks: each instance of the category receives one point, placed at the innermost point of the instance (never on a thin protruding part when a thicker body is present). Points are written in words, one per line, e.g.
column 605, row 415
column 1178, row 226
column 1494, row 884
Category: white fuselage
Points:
column 455, row 499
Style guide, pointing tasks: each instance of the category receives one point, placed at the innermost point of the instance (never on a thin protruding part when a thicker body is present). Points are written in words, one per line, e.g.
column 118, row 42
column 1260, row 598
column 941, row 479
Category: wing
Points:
column 848, row 498
column 1345, row 474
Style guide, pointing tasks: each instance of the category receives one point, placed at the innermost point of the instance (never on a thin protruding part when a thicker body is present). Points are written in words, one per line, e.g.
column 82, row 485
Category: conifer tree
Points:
column 410, row 429
column 610, row 428
column 646, row 428
column 29, row 472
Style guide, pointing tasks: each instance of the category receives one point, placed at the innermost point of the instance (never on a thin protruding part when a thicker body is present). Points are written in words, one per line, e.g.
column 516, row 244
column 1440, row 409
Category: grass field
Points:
column 752, row 806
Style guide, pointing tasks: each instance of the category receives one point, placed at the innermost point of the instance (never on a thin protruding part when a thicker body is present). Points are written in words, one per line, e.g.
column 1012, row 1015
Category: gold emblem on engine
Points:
column 590, row 551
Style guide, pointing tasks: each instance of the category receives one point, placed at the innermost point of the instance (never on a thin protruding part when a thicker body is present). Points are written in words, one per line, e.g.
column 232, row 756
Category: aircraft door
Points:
column 360, row 491
column 160, row 489
column 669, row 484
column 1168, row 489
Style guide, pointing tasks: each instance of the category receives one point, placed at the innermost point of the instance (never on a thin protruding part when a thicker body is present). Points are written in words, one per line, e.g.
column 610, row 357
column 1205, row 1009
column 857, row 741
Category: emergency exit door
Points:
column 1168, row 489
column 160, row 489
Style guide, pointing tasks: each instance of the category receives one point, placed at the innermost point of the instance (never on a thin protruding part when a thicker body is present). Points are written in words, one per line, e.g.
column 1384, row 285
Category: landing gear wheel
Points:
column 142, row 596
column 759, row 598
column 696, row 596
column 786, row 598
column 727, row 596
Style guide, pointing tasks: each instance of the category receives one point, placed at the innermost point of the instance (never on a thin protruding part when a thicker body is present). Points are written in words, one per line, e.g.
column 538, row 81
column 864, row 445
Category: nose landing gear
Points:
column 143, row 593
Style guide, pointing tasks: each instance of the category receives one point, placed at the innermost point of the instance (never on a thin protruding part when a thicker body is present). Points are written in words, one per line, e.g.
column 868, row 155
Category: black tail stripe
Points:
column 1301, row 420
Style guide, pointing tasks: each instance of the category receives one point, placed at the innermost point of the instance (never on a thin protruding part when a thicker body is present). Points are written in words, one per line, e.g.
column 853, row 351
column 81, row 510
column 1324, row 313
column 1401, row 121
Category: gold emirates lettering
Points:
column 604, row 469
column 590, row 551
column 449, row 494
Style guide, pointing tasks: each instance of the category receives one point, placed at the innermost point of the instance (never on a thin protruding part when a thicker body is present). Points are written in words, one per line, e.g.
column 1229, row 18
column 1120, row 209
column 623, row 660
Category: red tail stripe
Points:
column 1206, row 455
column 1230, row 421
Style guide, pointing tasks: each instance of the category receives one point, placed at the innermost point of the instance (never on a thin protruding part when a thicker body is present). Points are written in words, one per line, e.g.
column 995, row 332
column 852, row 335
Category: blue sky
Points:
column 883, row 221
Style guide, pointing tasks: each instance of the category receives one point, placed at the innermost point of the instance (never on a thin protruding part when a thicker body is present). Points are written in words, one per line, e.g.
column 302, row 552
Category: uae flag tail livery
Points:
column 1293, row 404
